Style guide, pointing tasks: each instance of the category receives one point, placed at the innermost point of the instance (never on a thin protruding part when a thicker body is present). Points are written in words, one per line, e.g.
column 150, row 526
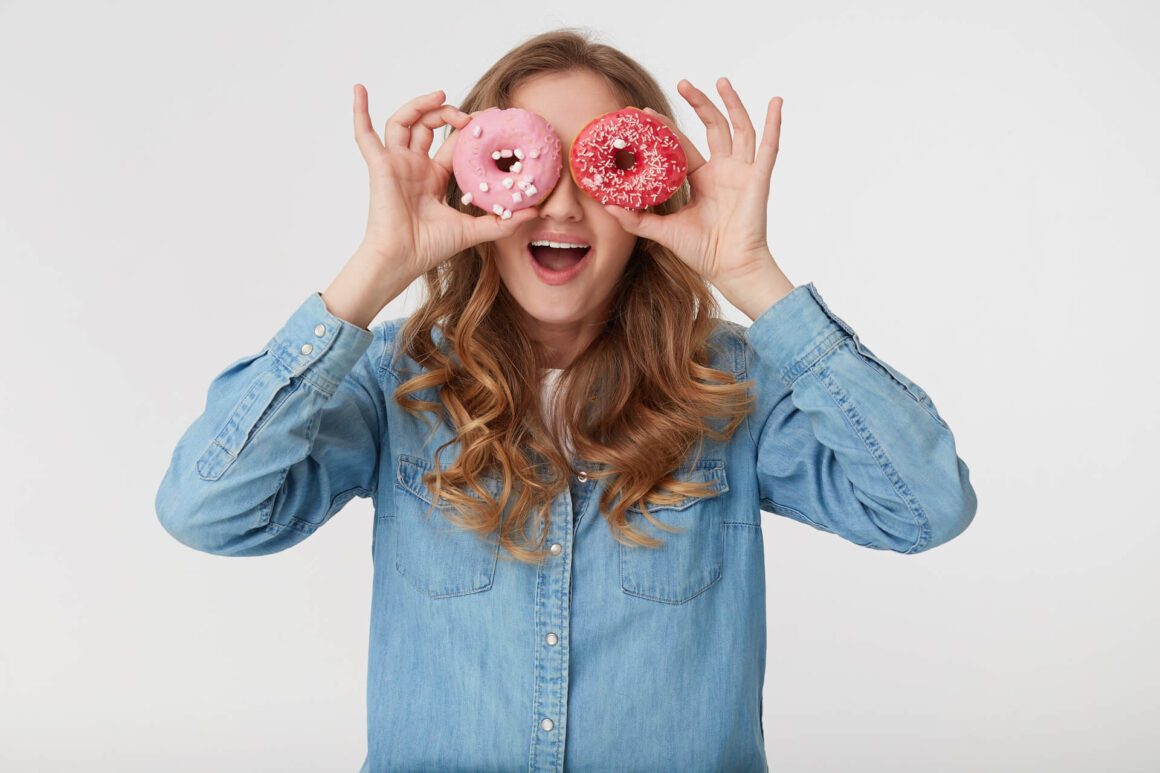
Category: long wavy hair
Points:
column 634, row 403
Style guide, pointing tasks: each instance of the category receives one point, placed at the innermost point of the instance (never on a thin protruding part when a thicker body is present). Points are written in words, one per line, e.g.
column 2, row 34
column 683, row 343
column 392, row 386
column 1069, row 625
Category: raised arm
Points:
column 845, row 442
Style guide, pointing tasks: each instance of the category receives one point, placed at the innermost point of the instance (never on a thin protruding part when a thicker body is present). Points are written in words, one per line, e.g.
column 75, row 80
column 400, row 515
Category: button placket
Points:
column 552, row 596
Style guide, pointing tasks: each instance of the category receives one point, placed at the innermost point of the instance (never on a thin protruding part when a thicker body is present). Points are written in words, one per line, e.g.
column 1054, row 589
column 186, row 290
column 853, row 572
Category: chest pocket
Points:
column 437, row 557
column 688, row 562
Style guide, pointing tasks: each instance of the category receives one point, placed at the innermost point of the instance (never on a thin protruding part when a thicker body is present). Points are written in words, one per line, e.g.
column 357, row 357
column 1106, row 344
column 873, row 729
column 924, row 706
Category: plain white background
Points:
column 972, row 186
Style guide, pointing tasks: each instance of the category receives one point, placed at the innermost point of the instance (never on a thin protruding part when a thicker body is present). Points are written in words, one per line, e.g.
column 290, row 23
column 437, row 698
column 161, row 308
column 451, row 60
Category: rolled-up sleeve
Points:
column 845, row 442
column 287, row 437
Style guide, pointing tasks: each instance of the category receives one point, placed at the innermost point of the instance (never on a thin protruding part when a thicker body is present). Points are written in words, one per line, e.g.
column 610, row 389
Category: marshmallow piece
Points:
column 483, row 186
column 497, row 208
column 507, row 213
column 516, row 167
column 506, row 153
column 619, row 144
column 495, row 155
column 519, row 154
column 597, row 179
column 476, row 131
column 522, row 185
column 531, row 190
column 533, row 154
column 508, row 182
column 517, row 198
column 466, row 198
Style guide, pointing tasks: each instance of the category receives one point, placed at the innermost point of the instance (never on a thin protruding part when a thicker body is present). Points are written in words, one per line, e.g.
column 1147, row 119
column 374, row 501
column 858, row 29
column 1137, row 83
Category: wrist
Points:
column 366, row 284
column 756, row 287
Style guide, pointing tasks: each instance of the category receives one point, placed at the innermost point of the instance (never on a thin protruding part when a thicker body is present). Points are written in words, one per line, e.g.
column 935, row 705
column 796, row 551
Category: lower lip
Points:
column 550, row 277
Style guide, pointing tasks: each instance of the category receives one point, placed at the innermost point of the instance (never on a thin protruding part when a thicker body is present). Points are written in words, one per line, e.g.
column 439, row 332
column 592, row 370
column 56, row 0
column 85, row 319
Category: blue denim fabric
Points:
column 606, row 657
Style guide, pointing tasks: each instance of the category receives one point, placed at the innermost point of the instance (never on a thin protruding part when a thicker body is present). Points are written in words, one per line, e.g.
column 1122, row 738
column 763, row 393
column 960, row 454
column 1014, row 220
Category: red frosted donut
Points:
column 506, row 160
column 628, row 158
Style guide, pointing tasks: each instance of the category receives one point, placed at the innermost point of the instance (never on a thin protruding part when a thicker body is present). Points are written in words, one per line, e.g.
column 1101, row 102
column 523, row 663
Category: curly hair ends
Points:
column 635, row 402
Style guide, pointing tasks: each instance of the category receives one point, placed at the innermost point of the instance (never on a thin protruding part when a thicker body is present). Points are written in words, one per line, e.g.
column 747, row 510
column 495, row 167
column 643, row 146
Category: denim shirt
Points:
column 605, row 656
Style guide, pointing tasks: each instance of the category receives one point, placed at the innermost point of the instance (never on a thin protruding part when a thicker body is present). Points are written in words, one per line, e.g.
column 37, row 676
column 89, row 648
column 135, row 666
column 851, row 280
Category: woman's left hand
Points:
column 720, row 233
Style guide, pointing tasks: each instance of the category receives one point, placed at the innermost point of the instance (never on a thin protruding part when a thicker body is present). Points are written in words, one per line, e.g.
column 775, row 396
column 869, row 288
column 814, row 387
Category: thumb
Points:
column 488, row 228
column 636, row 222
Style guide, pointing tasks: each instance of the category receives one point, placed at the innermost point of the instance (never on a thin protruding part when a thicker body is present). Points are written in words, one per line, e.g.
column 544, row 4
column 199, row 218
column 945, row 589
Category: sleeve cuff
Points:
column 315, row 340
column 797, row 331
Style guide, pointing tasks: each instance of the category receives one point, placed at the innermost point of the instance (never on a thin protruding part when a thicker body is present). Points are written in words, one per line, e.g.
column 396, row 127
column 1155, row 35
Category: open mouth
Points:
column 557, row 256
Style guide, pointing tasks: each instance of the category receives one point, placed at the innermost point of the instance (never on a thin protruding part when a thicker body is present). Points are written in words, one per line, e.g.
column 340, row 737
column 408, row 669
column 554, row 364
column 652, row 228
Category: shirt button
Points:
column 320, row 330
column 551, row 639
column 556, row 548
column 306, row 349
column 582, row 476
column 547, row 724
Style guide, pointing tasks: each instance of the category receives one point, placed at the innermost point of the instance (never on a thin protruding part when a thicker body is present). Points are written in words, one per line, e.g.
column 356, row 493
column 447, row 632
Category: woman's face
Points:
column 563, row 304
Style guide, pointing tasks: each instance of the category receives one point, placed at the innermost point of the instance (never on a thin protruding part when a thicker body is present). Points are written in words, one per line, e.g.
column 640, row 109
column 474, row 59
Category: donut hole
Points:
column 624, row 159
column 505, row 164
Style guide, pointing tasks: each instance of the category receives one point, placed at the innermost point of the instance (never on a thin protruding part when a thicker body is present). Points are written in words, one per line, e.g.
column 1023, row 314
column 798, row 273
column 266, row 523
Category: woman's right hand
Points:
column 409, row 219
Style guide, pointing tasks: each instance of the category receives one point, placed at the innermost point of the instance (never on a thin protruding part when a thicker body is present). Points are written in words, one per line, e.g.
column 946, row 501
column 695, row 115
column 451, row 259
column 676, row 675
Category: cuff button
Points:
column 306, row 349
column 320, row 330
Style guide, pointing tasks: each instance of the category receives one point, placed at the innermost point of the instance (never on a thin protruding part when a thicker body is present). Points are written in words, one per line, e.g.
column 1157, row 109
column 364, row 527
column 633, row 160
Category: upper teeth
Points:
column 557, row 245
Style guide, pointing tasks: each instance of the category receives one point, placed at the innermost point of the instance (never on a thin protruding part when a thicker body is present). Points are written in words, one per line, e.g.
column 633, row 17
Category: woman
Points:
column 611, row 438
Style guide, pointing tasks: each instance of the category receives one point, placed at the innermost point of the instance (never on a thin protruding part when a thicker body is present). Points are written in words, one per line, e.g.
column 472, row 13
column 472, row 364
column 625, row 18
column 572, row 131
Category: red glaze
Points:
column 658, row 170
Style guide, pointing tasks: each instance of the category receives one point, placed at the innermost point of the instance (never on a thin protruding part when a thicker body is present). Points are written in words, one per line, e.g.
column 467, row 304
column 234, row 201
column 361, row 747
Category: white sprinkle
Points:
column 507, row 213
column 516, row 167
column 519, row 154
column 476, row 131
column 506, row 153
column 483, row 186
column 466, row 198
column 495, row 155
column 619, row 144
column 497, row 208
column 530, row 190
column 508, row 182
column 517, row 198
column 533, row 154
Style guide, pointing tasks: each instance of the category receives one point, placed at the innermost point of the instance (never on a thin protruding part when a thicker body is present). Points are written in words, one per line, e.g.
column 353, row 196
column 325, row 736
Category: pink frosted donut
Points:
column 506, row 160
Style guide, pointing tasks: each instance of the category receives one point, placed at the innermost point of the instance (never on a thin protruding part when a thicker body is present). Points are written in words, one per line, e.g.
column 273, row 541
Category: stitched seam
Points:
column 791, row 512
column 842, row 399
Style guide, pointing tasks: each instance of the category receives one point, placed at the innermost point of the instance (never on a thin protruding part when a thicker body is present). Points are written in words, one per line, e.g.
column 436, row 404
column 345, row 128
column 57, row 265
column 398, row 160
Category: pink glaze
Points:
column 659, row 169
column 500, row 130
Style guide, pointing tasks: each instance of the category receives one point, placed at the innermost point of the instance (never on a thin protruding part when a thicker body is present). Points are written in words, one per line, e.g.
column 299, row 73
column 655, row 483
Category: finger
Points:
column 423, row 132
column 398, row 129
column 770, row 136
column 692, row 155
column 489, row 227
column 368, row 141
column 744, row 137
column 443, row 155
column 716, row 127
column 639, row 222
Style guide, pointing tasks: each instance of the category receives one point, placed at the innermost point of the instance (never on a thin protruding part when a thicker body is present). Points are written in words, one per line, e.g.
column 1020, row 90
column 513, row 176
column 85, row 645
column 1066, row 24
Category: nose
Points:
column 563, row 203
